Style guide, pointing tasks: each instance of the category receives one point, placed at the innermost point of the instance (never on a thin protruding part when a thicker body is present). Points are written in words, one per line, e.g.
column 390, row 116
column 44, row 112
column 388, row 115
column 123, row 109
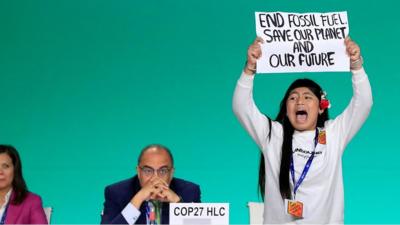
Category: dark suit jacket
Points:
column 118, row 195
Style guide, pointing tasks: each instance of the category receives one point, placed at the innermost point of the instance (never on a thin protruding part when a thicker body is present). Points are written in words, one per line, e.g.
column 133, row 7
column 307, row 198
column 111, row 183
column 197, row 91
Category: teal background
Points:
column 85, row 84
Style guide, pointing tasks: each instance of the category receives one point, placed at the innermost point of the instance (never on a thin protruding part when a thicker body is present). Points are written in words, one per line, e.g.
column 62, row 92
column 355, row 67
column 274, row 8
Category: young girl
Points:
column 302, row 149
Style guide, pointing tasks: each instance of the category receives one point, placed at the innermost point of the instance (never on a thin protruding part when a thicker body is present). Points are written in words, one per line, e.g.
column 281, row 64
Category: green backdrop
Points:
column 85, row 84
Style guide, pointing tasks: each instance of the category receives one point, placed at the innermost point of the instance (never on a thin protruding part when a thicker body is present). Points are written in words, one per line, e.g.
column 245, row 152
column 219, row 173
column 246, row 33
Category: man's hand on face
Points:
column 155, row 189
column 168, row 195
column 165, row 194
column 149, row 191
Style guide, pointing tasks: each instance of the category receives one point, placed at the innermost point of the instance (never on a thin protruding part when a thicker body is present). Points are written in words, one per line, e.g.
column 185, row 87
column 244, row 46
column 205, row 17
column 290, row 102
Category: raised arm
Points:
column 244, row 107
column 355, row 114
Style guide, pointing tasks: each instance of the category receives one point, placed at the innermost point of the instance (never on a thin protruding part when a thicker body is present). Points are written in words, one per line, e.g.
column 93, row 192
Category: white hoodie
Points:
column 321, row 191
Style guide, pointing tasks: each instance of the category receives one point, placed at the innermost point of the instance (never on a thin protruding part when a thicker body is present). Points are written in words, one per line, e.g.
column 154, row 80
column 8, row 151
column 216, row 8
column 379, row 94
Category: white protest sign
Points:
column 302, row 42
column 198, row 213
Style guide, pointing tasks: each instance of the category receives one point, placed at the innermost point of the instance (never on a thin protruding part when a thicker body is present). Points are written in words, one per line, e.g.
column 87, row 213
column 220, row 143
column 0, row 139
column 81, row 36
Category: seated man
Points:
column 128, row 201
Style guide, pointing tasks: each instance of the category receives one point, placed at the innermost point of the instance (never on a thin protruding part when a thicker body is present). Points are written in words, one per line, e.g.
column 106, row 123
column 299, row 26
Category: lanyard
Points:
column 306, row 167
column 3, row 218
column 153, row 213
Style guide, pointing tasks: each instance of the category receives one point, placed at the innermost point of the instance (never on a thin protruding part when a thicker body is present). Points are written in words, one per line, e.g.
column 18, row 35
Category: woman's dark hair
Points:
column 18, row 184
column 288, row 130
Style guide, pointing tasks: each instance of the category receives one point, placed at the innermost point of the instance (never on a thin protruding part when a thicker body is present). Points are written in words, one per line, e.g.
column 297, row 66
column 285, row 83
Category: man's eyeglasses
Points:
column 148, row 171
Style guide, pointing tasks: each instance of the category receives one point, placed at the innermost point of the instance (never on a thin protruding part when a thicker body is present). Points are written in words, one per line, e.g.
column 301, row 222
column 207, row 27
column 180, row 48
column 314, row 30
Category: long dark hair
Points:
column 288, row 130
column 18, row 184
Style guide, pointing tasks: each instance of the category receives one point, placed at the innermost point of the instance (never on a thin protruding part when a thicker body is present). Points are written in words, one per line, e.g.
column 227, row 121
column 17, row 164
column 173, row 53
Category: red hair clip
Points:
column 324, row 103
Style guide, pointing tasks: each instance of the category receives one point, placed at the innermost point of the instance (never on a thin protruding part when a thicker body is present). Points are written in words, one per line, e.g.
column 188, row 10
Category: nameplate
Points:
column 198, row 213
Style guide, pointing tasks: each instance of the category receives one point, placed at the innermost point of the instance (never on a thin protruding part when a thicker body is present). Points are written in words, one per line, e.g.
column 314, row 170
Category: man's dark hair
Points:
column 157, row 146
